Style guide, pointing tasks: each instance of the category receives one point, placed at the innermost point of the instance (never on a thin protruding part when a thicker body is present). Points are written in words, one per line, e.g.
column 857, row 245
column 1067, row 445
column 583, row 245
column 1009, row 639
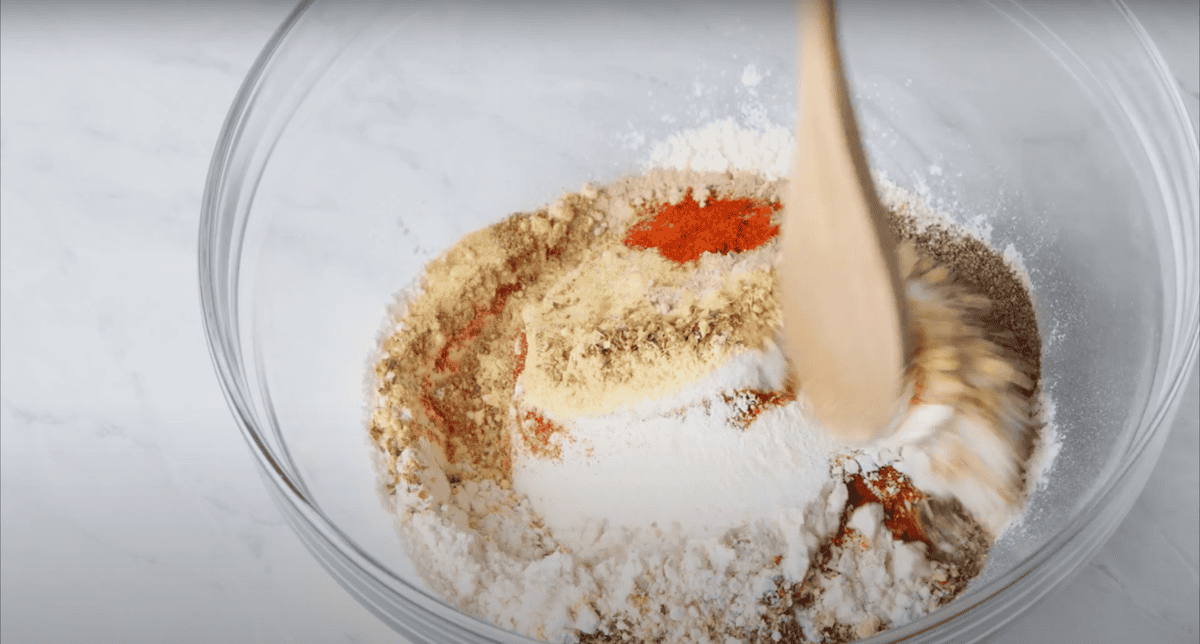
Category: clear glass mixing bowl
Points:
column 370, row 136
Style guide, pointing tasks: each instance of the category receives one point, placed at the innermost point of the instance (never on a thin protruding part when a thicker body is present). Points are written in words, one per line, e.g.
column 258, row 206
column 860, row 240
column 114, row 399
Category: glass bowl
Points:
column 368, row 137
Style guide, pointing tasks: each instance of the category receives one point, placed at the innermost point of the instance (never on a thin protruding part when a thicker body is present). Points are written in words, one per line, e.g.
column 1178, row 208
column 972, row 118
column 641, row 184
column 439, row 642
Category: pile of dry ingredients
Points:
column 587, row 429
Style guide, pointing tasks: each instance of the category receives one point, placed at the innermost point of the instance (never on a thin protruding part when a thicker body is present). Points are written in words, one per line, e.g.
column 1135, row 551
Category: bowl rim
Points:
column 385, row 593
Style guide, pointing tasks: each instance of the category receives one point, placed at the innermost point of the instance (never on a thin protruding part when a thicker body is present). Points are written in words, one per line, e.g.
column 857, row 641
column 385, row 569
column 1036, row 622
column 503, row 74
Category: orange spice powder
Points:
column 682, row 232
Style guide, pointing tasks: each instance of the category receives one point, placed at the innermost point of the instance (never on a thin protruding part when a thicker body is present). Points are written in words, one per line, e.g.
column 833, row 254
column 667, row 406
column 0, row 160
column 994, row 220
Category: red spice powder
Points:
column 760, row 401
column 918, row 391
column 445, row 414
column 537, row 431
column 474, row 327
column 897, row 495
column 682, row 232
column 520, row 352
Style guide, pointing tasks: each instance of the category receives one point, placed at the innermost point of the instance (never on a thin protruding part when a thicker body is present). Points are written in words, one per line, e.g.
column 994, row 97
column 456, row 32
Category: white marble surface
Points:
column 162, row 530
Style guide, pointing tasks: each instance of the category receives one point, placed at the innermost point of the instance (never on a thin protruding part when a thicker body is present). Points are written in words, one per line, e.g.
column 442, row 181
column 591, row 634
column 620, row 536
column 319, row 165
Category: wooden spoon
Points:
column 843, row 307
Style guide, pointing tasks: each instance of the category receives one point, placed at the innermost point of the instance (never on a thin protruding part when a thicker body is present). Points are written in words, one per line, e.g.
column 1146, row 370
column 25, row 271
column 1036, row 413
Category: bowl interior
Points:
column 440, row 120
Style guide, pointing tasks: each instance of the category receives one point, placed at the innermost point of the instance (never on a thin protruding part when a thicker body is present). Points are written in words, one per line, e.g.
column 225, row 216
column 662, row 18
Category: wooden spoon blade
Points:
column 843, row 308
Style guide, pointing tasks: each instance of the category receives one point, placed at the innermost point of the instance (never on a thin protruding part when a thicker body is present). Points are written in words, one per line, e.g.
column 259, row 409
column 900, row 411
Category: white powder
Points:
column 723, row 146
column 663, row 520
column 1045, row 449
column 750, row 76
column 687, row 469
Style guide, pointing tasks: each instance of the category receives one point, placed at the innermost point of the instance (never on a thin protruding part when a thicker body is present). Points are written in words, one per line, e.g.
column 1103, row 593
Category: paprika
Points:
column 684, row 231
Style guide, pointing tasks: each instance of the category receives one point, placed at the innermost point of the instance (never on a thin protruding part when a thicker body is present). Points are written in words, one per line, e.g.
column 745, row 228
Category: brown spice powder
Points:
column 1010, row 320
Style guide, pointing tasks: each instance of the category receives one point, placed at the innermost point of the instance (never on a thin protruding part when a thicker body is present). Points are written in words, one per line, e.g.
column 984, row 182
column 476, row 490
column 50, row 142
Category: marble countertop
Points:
column 132, row 511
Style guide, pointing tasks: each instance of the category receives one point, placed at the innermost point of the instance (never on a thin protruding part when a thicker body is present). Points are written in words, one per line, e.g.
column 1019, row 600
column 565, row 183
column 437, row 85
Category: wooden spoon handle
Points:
column 843, row 307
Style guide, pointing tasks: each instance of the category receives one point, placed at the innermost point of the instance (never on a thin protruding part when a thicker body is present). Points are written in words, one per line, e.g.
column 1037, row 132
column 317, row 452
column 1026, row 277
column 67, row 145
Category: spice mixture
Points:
column 589, row 434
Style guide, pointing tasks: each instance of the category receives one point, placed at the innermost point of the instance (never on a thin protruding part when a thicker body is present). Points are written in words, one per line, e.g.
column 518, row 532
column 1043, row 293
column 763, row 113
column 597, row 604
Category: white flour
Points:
column 722, row 146
column 673, row 526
